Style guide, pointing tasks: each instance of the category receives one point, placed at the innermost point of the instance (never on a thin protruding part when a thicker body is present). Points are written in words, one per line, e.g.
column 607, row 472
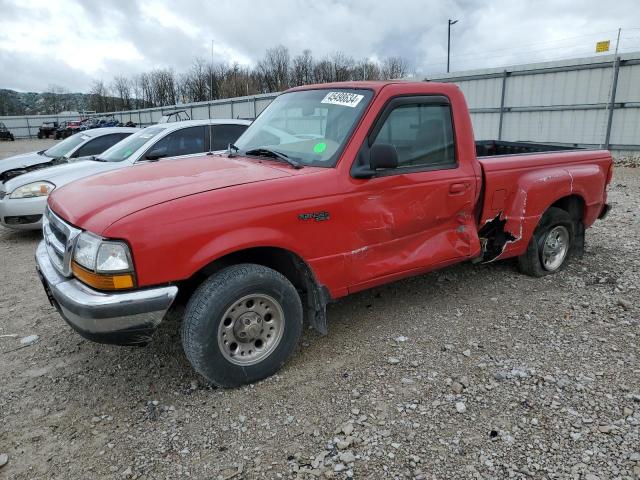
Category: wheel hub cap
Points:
column 555, row 248
column 251, row 329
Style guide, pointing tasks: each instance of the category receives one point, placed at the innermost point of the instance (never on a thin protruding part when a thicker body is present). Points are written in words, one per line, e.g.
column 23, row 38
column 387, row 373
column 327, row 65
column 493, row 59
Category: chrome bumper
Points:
column 123, row 318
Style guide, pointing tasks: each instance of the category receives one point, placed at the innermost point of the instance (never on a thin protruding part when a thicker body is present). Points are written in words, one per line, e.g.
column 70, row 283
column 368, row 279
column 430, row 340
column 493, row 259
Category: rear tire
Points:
column 241, row 325
column 550, row 246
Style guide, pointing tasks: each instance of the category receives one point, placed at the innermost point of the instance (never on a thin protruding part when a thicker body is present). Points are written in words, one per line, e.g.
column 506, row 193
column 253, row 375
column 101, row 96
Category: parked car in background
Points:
column 108, row 121
column 23, row 199
column 334, row 189
column 47, row 129
column 5, row 134
column 174, row 116
column 66, row 129
column 91, row 142
column 88, row 124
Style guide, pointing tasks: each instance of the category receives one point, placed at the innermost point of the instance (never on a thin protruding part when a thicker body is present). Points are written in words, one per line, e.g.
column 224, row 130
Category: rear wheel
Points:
column 241, row 325
column 550, row 246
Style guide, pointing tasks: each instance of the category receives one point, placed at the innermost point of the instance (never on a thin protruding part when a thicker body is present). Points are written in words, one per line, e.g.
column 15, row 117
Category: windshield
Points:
column 309, row 126
column 125, row 148
column 66, row 146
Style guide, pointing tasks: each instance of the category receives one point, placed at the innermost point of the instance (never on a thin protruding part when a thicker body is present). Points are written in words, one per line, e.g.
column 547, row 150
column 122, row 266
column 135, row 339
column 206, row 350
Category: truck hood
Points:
column 60, row 175
column 22, row 161
column 96, row 202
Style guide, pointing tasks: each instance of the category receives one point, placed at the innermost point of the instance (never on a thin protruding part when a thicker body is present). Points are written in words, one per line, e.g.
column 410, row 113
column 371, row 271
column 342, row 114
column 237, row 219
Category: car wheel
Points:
column 550, row 246
column 241, row 325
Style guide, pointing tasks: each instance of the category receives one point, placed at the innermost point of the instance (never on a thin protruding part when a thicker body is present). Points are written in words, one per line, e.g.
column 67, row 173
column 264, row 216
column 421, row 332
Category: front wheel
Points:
column 550, row 246
column 241, row 325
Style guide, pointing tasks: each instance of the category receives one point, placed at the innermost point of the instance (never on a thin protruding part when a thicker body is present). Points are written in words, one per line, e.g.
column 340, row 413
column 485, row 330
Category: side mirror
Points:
column 383, row 155
column 156, row 153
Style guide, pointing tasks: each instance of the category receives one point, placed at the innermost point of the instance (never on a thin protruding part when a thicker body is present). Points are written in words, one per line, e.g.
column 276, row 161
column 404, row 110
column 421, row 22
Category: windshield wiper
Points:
column 267, row 152
column 231, row 147
column 97, row 159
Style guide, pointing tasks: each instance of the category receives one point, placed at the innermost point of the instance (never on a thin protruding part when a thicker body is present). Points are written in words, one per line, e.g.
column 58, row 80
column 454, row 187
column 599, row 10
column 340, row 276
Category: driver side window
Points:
column 422, row 134
column 186, row 141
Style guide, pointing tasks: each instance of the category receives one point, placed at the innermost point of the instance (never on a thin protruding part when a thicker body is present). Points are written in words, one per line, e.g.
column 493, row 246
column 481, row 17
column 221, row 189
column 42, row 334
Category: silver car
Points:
column 23, row 199
column 82, row 144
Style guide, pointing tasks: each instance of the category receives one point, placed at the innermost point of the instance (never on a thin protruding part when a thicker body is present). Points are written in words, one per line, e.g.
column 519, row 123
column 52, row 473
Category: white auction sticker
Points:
column 345, row 99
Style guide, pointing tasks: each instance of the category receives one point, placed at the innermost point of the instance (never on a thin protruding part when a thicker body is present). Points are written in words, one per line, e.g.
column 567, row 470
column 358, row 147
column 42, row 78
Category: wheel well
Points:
column 573, row 205
column 314, row 296
column 283, row 261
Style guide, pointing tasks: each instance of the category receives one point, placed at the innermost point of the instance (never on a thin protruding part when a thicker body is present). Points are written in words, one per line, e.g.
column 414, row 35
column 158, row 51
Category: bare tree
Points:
column 394, row 67
column 367, row 70
column 274, row 69
column 98, row 97
column 323, row 71
column 194, row 84
column 122, row 88
column 302, row 69
column 342, row 67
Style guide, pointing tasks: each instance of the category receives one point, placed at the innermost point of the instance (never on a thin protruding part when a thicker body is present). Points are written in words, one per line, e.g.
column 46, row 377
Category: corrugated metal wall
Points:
column 566, row 102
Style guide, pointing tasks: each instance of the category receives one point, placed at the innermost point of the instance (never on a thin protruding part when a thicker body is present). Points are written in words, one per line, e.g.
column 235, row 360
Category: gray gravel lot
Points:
column 470, row 372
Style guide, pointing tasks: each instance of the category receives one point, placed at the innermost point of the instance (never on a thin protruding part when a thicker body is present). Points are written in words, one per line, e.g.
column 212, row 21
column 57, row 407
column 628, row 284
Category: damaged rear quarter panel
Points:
column 533, row 187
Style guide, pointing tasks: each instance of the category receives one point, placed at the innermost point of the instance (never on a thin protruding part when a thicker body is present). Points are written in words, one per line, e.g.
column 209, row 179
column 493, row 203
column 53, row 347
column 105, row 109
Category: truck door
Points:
column 419, row 215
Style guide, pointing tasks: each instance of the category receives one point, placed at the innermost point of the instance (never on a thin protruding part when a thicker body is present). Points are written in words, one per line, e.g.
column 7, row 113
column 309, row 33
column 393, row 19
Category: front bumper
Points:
column 22, row 213
column 122, row 318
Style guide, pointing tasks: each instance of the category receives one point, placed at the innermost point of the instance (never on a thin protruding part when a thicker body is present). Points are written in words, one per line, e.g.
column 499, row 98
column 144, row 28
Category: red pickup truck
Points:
column 333, row 189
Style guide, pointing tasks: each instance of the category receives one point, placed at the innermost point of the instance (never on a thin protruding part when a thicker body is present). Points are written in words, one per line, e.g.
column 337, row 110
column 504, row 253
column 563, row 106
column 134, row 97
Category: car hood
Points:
column 60, row 175
column 95, row 203
column 22, row 161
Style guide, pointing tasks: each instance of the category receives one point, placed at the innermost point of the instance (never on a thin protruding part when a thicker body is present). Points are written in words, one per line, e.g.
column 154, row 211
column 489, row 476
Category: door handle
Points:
column 456, row 188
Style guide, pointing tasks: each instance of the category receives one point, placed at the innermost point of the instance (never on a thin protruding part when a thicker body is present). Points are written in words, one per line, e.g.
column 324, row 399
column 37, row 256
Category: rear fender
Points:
column 536, row 192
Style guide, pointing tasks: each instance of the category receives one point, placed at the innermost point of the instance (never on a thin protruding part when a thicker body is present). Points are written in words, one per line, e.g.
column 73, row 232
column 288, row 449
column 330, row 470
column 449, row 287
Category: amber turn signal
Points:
column 99, row 281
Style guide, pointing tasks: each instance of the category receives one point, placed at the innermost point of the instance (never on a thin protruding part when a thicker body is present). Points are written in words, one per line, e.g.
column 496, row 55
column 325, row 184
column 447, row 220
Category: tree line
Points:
column 203, row 81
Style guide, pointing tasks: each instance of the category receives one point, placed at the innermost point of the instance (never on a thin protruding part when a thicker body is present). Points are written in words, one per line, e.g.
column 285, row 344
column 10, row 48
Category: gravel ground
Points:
column 470, row 372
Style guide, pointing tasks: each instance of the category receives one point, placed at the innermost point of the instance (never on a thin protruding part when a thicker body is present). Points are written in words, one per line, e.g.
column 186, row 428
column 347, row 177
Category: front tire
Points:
column 550, row 246
column 241, row 325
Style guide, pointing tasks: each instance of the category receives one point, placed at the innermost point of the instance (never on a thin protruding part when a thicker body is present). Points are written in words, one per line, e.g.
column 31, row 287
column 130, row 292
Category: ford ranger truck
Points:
column 333, row 189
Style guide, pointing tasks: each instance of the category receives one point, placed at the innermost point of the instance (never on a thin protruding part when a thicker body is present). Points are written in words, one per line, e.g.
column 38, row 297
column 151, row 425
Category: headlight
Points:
column 103, row 264
column 35, row 189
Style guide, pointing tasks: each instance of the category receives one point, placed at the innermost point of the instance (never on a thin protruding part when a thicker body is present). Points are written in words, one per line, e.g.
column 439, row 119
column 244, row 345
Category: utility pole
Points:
column 612, row 94
column 211, row 74
column 451, row 22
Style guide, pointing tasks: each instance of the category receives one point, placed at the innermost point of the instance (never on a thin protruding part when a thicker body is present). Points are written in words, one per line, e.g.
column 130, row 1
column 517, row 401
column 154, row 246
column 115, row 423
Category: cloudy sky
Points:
column 71, row 42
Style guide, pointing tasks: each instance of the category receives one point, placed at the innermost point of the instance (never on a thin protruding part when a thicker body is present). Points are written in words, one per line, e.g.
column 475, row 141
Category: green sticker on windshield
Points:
column 319, row 147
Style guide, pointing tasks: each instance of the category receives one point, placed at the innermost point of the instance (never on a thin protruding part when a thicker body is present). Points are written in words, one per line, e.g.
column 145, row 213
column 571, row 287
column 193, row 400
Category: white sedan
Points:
column 23, row 199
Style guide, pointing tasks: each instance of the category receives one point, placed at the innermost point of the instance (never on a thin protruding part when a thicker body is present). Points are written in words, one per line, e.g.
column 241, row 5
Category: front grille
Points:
column 60, row 238
column 22, row 219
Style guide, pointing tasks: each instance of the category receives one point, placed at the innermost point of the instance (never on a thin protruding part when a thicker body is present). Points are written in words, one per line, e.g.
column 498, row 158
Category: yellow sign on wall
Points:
column 603, row 46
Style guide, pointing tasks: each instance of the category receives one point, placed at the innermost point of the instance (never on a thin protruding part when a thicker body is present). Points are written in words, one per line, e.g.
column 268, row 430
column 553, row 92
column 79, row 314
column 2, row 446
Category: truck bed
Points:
column 489, row 148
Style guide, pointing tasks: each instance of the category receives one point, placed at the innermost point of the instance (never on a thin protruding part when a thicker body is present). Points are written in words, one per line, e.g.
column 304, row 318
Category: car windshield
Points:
column 66, row 146
column 310, row 127
column 125, row 148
